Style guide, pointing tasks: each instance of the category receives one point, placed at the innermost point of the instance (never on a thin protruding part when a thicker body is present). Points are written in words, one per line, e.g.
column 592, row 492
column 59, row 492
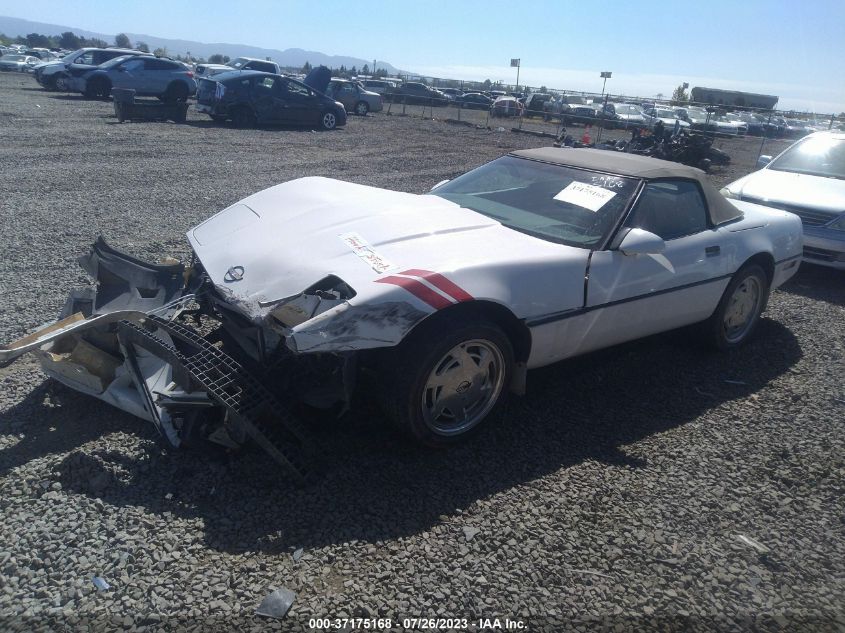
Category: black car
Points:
column 416, row 93
column 535, row 102
column 249, row 98
column 474, row 100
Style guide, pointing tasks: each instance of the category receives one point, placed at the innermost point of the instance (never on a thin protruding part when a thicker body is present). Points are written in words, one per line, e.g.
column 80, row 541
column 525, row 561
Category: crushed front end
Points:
column 225, row 378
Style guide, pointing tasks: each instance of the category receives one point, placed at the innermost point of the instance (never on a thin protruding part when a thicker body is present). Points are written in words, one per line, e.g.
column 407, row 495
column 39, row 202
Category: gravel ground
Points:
column 612, row 497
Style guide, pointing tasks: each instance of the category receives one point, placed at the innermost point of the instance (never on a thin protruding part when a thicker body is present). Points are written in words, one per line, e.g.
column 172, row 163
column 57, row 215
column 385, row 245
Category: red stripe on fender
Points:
column 419, row 290
column 441, row 283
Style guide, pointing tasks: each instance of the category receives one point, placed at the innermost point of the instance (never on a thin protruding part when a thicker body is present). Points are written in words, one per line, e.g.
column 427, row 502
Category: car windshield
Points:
column 817, row 156
column 565, row 205
column 13, row 58
column 627, row 109
column 666, row 114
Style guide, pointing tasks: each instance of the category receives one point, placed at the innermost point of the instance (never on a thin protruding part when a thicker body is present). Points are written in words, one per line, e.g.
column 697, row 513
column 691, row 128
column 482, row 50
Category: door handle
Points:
column 713, row 251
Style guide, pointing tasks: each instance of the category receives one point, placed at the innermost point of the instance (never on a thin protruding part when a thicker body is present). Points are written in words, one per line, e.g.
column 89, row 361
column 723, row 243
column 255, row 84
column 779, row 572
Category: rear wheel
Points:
column 329, row 121
column 444, row 381
column 244, row 118
column 738, row 312
column 176, row 92
column 361, row 108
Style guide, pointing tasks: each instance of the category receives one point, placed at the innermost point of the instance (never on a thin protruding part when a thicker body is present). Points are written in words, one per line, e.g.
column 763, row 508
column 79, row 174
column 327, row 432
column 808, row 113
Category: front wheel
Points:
column 329, row 121
column 98, row 88
column 60, row 82
column 738, row 312
column 445, row 381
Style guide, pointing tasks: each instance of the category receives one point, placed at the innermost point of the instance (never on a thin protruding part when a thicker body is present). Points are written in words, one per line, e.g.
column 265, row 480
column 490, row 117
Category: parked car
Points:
column 354, row 97
column 451, row 93
column 700, row 119
column 249, row 98
column 445, row 300
column 667, row 116
column 807, row 179
column 624, row 115
column 798, row 129
column 380, row 86
column 535, row 103
column 251, row 63
column 586, row 114
column 758, row 124
column 474, row 101
column 412, row 92
column 146, row 75
column 507, row 107
column 727, row 126
column 18, row 63
column 561, row 106
column 203, row 71
column 54, row 75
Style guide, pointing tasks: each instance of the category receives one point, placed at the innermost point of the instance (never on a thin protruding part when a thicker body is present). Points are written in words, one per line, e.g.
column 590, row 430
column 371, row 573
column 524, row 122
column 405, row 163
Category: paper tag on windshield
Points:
column 584, row 195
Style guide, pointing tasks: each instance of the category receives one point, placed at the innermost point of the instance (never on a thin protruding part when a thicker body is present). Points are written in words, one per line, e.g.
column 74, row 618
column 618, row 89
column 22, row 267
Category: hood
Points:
column 801, row 190
column 284, row 239
column 318, row 78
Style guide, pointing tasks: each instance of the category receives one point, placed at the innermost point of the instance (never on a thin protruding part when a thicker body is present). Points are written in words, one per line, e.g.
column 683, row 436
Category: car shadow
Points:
column 228, row 125
column 73, row 97
column 375, row 485
column 817, row 282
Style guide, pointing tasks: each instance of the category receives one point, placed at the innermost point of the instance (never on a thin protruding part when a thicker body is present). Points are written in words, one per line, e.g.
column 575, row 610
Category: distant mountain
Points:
column 294, row 57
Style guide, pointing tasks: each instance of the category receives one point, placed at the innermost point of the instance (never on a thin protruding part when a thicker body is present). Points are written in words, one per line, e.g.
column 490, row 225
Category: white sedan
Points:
column 446, row 298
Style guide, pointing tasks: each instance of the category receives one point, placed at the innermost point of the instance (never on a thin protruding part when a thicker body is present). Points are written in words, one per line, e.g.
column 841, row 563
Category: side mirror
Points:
column 641, row 242
column 763, row 161
column 442, row 182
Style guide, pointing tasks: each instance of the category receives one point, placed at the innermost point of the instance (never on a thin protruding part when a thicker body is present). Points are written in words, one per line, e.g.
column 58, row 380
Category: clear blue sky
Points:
column 795, row 50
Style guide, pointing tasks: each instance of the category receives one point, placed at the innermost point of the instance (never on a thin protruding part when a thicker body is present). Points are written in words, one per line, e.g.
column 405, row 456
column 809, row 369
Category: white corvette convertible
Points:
column 448, row 298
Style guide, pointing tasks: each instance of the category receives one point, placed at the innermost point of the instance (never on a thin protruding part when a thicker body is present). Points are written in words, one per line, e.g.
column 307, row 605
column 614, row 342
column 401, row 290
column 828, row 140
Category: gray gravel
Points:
column 612, row 497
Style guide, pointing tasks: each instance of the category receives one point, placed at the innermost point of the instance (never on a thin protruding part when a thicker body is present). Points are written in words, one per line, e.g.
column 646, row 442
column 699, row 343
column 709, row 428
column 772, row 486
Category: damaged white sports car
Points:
column 446, row 298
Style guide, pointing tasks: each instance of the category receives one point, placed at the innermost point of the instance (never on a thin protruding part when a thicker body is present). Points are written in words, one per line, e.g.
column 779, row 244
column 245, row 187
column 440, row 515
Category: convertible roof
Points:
column 721, row 210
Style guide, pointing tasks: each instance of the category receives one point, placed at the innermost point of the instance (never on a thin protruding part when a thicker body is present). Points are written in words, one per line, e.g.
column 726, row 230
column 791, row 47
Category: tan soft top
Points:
column 721, row 210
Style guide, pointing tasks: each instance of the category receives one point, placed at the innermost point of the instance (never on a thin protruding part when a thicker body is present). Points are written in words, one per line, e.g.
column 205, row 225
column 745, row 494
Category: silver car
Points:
column 18, row 63
column 808, row 179
column 354, row 97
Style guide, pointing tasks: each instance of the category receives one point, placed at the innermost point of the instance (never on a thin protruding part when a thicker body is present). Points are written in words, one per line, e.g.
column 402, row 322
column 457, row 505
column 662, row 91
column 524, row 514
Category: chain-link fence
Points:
column 737, row 135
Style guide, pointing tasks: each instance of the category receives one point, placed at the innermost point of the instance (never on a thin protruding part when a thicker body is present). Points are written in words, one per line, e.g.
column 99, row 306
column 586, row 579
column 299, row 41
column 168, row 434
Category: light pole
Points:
column 605, row 74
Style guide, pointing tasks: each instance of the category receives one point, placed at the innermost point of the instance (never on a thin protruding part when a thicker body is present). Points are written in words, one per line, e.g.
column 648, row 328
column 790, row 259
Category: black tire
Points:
column 244, row 118
column 60, row 82
column 361, row 108
column 98, row 88
column 408, row 376
column 177, row 92
column 328, row 120
column 737, row 302
column 49, row 82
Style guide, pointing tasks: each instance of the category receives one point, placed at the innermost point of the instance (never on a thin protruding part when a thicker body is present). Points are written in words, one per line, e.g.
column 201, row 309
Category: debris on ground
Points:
column 276, row 604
